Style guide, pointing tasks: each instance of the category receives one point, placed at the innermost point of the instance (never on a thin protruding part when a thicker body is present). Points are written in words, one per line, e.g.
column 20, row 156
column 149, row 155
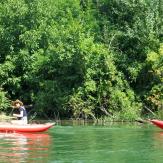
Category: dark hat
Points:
column 17, row 102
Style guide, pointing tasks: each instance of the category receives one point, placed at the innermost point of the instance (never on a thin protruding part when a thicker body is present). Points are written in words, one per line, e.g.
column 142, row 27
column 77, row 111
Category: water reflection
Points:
column 100, row 144
column 24, row 147
column 158, row 140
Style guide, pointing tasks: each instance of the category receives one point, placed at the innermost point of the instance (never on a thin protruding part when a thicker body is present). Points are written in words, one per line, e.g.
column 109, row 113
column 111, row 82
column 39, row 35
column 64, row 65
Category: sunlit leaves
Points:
column 4, row 102
column 83, row 59
column 155, row 95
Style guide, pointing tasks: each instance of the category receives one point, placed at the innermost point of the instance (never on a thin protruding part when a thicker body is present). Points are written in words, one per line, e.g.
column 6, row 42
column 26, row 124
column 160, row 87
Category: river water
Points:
column 85, row 143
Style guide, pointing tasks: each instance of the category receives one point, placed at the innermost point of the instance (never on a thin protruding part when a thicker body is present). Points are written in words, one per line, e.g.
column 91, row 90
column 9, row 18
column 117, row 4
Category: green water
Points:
column 116, row 143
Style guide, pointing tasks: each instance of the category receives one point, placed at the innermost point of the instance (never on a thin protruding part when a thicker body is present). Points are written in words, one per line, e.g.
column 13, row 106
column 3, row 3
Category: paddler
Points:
column 22, row 116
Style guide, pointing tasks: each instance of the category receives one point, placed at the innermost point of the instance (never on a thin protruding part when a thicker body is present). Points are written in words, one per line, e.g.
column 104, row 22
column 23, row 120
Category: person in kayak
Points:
column 22, row 116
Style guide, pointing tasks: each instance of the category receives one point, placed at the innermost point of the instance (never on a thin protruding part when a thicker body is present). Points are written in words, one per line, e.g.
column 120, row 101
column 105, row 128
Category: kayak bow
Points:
column 157, row 123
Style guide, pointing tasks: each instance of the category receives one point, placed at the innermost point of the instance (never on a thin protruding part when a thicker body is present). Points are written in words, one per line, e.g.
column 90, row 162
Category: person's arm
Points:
column 19, row 115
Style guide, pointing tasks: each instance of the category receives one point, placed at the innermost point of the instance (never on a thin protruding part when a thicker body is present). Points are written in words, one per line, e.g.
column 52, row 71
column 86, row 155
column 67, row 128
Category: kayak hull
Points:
column 25, row 128
column 157, row 123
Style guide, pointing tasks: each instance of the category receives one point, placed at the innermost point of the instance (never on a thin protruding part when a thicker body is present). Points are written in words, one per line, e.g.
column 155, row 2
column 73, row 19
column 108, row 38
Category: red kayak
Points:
column 158, row 123
column 25, row 128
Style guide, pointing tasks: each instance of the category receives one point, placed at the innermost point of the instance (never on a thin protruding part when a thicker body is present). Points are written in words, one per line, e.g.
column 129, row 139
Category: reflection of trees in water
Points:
column 24, row 147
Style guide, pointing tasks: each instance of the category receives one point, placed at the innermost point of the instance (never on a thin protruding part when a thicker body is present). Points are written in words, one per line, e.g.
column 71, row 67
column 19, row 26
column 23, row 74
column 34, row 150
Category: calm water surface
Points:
column 114, row 143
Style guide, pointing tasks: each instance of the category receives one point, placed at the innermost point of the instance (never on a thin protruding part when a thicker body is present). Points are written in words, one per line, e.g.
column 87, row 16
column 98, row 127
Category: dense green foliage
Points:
column 82, row 58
